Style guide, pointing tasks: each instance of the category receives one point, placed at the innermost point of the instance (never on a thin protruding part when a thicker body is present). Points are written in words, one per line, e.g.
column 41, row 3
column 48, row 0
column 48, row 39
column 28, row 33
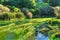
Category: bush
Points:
column 44, row 10
column 7, row 16
column 32, row 10
column 11, row 15
column 48, row 11
column 4, row 16
column 19, row 15
column 16, row 9
column 37, row 12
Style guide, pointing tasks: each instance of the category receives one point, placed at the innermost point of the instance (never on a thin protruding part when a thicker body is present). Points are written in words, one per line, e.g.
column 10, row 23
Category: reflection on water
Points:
column 40, row 36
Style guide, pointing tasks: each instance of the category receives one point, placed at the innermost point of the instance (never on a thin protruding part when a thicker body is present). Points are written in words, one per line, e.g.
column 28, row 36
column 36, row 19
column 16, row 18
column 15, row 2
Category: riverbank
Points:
column 26, row 29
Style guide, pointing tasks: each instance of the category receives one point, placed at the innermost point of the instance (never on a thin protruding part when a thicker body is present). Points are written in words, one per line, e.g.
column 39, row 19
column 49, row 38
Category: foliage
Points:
column 54, row 2
column 19, row 31
column 54, row 35
column 41, row 5
column 7, row 14
column 14, row 27
column 16, row 9
column 20, row 3
column 28, row 3
column 32, row 10
column 11, row 15
column 19, row 15
column 22, row 30
column 4, row 16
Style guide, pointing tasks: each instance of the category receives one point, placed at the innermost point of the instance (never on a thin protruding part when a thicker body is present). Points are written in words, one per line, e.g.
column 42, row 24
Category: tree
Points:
column 20, row 3
column 28, row 3
column 54, row 2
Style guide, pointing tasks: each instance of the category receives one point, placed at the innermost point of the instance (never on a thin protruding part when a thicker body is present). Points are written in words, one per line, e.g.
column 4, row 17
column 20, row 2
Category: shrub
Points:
column 12, row 8
column 4, row 16
column 37, row 12
column 16, row 9
column 32, row 10
column 43, row 9
column 48, row 11
column 11, row 15
column 19, row 15
column 55, row 22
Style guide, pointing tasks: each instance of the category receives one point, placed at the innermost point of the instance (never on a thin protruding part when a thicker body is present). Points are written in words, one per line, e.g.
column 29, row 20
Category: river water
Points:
column 40, row 36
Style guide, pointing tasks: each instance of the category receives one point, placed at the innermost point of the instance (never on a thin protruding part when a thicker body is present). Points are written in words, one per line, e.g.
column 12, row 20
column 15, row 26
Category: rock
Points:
column 27, row 12
column 57, row 11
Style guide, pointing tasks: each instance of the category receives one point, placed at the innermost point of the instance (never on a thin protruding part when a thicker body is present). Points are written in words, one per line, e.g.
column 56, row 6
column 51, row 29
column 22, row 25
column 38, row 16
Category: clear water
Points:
column 40, row 36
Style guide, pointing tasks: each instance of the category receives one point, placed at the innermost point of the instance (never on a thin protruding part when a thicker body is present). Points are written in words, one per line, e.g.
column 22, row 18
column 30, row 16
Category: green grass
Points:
column 22, row 29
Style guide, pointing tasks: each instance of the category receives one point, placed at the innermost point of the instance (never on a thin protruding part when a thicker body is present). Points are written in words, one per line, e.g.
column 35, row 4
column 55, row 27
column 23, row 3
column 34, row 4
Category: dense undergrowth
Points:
column 26, row 29
column 20, row 19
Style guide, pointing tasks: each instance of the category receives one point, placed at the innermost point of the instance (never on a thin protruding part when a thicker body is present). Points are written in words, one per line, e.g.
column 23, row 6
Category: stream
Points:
column 40, row 36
